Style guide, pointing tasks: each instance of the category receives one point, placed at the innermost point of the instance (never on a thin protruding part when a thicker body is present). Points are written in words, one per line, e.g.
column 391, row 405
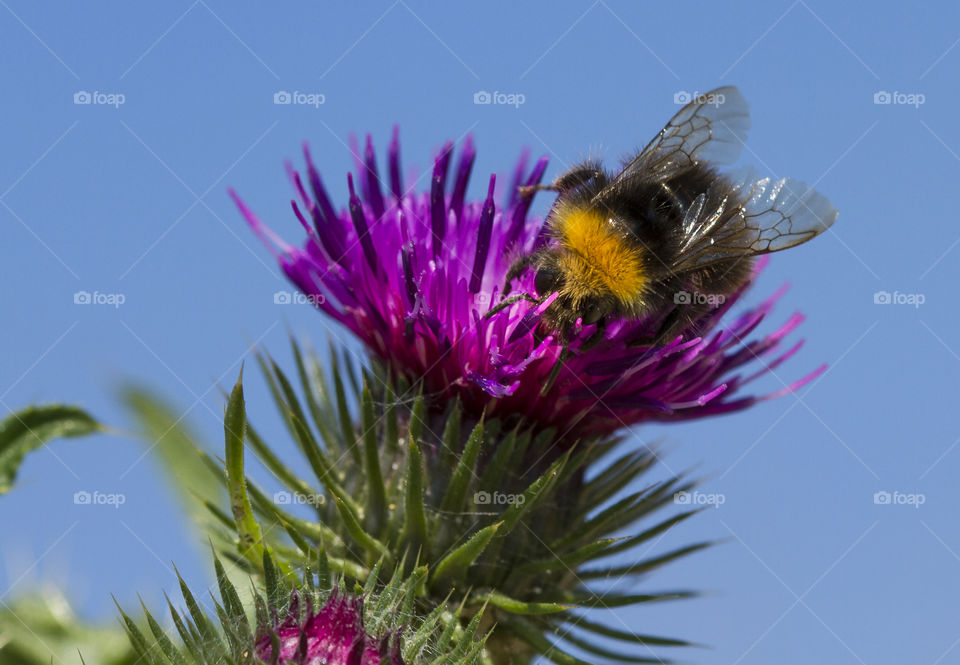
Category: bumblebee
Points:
column 668, row 236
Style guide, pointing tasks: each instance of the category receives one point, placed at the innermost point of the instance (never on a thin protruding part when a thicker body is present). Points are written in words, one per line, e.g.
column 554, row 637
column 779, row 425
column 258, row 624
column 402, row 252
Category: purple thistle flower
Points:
column 413, row 275
column 335, row 635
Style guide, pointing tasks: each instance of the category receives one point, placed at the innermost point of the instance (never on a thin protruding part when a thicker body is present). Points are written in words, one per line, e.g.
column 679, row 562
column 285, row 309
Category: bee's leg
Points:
column 671, row 326
column 548, row 384
column 506, row 302
column 516, row 269
column 596, row 337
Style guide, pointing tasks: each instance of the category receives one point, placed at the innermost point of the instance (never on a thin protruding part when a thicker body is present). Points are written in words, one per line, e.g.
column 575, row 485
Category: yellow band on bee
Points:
column 607, row 257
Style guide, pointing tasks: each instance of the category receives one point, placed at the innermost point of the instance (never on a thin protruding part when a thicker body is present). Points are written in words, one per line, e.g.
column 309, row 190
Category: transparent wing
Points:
column 710, row 128
column 755, row 216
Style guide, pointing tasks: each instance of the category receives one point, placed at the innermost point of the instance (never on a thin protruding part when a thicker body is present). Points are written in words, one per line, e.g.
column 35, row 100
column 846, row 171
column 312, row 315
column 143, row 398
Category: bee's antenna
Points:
column 526, row 190
column 511, row 300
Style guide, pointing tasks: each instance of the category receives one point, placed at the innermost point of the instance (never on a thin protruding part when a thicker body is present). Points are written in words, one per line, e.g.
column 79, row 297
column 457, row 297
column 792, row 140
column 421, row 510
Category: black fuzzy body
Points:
column 649, row 215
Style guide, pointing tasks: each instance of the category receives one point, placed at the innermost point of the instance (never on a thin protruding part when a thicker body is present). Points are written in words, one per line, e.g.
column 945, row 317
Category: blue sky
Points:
column 129, row 199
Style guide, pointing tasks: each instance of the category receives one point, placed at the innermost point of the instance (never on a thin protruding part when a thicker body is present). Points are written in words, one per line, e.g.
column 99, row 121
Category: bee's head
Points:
column 548, row 279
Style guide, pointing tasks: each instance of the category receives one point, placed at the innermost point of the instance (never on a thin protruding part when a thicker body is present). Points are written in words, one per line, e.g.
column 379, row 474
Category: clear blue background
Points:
column 105, row 199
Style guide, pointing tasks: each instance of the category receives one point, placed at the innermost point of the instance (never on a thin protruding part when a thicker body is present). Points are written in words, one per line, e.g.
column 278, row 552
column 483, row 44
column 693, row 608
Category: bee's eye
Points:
column 546, row 281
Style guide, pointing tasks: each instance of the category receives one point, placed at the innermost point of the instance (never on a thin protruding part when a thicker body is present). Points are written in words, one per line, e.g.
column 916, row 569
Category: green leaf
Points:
column 271, row 581
column 625, row 636
column 231, row 600
column 137, row 638
column 451, row 439
column 391, row 423
column 533, row 635
column 417, row 418
column 414, row 533
column 533, row 495
column 455, row 564
column 618, row 656
column 515, row 606
column 615, row 477
column 205, row 628
column 414, row 642
column 624, row 511
column 41, row 626
column 323, row 570
column 313, row 391
column 499, row 465
column 190, row 638
column 610, row 600
column 234, row 424
column 31, row 428
column 654, row 531
column 343, row 412
column 455, row 498
column 642, row 567
column 568, row 561
column 266, row 455
column 359, row 536
column 371, row 582
column 166, row 646
column 322, row 466
column 289, row 396
column 376, row 490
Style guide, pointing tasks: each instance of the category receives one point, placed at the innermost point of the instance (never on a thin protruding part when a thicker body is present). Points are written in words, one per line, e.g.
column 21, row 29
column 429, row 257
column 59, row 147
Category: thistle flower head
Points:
column 413, row 275
column 334, row 635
